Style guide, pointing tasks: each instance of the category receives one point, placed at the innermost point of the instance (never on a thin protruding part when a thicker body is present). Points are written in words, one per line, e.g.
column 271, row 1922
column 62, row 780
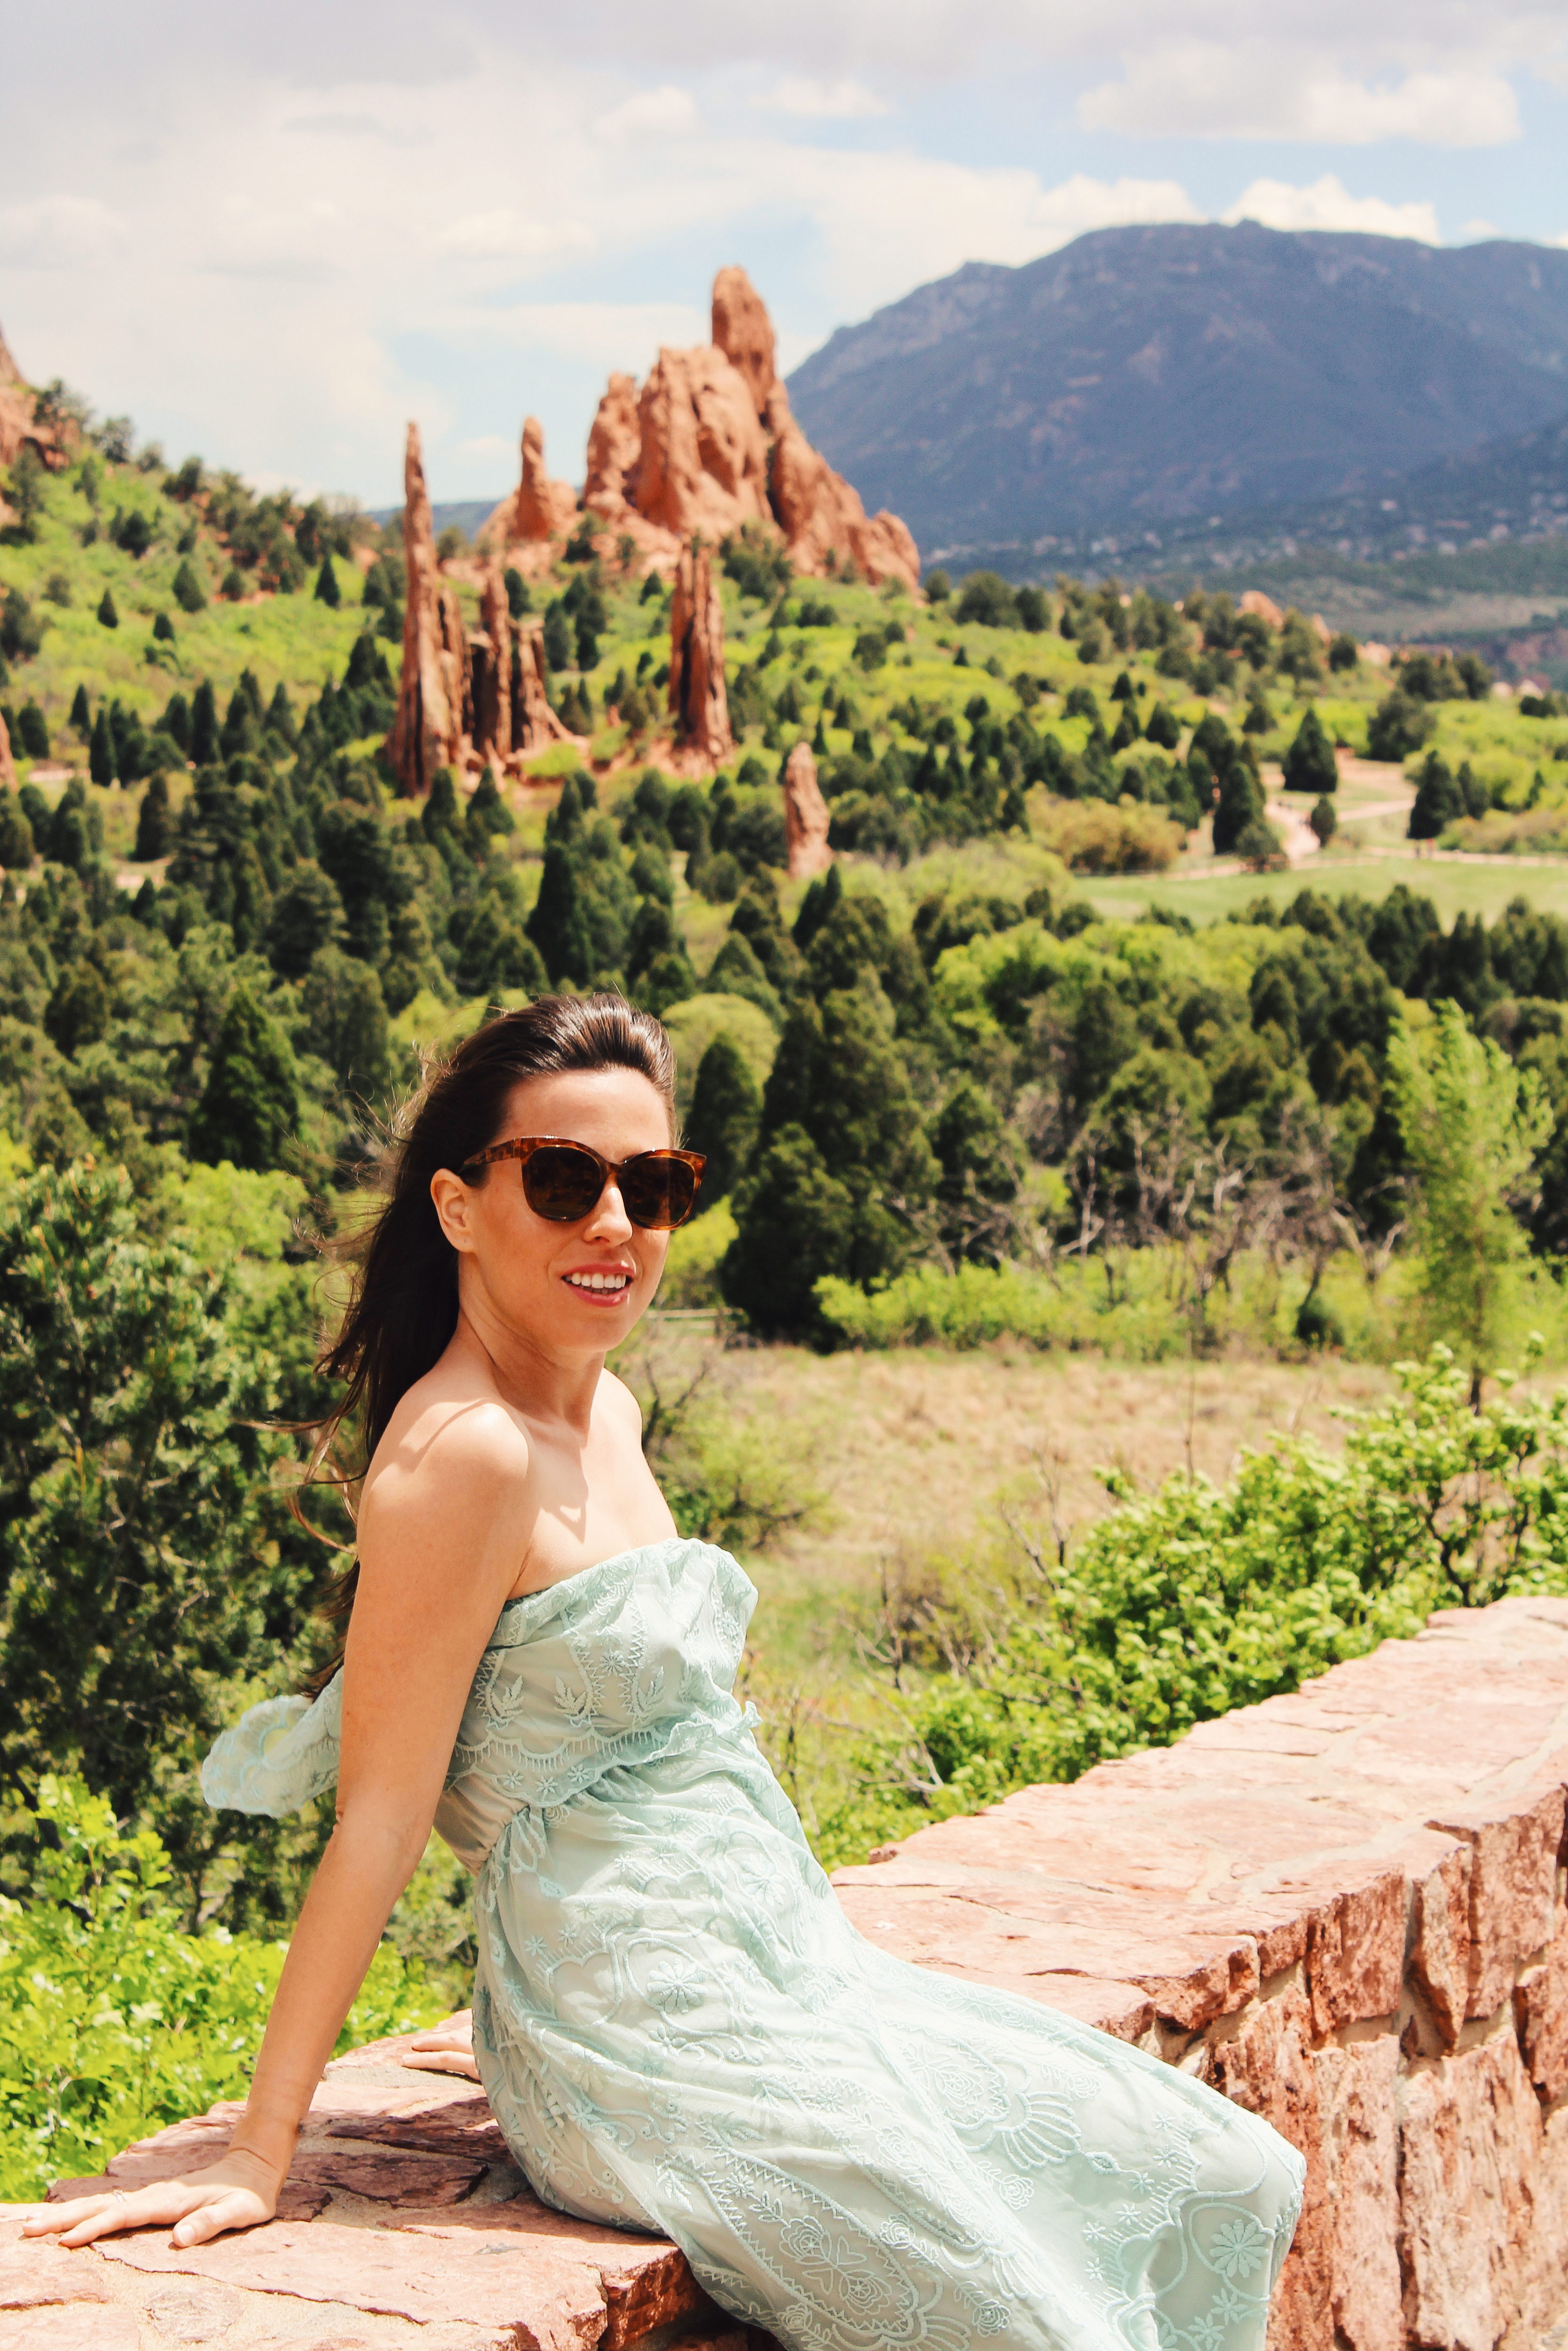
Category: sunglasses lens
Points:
column 658, row 1190
column 561, row 1184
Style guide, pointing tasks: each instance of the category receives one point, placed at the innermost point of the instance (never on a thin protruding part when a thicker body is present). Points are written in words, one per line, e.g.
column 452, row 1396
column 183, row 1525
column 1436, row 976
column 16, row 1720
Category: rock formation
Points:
column 543, row 508
column 20, row 422
column 805, row 816
column 699, row 705
column 614, row 451
column 490, row 673
column 708, row 446
column 743, row 331
column 434, row 711
column 534, row 723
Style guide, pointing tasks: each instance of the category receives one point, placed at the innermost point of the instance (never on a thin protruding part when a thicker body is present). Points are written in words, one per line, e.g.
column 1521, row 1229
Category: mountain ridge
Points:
column 1168, row 372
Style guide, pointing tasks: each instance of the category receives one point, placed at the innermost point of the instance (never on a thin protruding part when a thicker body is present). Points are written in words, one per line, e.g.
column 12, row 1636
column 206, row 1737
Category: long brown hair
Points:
column 402, row 1304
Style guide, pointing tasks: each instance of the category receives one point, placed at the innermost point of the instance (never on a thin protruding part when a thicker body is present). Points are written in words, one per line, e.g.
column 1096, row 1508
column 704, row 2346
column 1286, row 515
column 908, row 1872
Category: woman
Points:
column 676, row 2026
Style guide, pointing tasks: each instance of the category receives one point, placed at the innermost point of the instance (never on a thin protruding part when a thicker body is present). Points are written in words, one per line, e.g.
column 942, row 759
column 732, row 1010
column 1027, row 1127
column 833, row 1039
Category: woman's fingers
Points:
column 194, row 2209
column 87, row 2217
column 445, row 2061
column 240, row 2209
column 452, row 2033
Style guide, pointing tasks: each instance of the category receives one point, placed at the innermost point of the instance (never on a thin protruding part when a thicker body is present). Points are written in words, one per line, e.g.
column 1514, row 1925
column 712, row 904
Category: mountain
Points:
column 1147, row 374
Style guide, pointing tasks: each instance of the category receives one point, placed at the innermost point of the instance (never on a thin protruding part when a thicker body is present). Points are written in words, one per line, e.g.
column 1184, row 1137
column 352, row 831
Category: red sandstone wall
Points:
column 1345, row 1909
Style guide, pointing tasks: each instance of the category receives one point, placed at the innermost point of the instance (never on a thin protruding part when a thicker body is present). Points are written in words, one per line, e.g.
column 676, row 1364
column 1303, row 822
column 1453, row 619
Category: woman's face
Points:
column 572, row 1289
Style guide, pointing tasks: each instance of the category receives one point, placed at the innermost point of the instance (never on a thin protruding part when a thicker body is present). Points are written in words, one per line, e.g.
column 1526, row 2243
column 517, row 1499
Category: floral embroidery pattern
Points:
column 678, row 2029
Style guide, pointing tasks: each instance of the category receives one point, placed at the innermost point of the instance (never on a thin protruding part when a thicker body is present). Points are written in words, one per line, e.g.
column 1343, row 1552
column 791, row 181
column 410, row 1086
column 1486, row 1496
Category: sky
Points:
column 274, row 234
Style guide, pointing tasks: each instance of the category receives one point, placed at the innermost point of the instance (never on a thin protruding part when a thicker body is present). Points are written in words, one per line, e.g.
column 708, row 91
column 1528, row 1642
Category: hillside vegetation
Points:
column 947, row 1102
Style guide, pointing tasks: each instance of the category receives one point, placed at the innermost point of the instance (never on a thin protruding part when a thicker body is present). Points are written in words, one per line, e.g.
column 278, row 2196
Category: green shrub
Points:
column 113, row 2020
column 1184, row 1604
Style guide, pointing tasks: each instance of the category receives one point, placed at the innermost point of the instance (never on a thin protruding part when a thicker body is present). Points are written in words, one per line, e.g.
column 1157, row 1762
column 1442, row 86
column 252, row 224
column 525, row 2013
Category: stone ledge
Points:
column 1344, row 1908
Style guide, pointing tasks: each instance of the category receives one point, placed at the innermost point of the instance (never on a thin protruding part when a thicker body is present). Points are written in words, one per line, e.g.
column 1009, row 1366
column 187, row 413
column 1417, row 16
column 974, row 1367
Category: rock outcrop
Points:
column 20, row 422
column 614, row 453
column 490, row 673
column 534, row 723
column 699, row 705
column 805, row 816
column 708, row 446
column 704, row 461
column 542, row 509
column 465, row 699
column 433, row 726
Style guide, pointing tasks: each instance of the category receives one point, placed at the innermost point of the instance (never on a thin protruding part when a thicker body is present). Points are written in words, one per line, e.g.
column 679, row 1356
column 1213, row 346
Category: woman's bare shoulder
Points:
column 451, row 1430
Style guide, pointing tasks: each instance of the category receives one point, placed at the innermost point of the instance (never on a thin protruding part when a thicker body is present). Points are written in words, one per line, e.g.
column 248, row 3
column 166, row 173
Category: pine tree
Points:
column 1310, row 764
column 203, row 744
column 163, row 628
column 188, row 591
column 82, row 713
column 155, row 827
column 15, row 835
column 557, row 636
column 250, row 1106
column 727, row 1108
column 108, row 617
column 1323, row 821
column 327, row 591
column 558, row 925
column 176, row 722
column 102, row 761
column 1438, row 803
column 32, row 731
column 1238, row 807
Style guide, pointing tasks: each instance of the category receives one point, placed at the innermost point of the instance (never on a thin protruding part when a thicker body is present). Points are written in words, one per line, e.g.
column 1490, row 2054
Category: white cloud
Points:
column 889, row 221
column 822, row 101
column 1254, row 91
column 1328, row 205
column 60, row 232
column 509, row 235
column 604, row 334
column 663, row 113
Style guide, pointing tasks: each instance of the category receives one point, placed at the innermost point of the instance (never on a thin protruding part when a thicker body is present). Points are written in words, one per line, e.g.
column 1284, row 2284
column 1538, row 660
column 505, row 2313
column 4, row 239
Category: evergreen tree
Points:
column 281, row 719
column 558, row 925
column 82, row 713
column 163, row 628
column 188, row 591
column 307, row 915
column 1323, row 821
column 1239, row 806
column 249, row 1108
column 797, row 1223
column 557, row 636
column 1399, row 726
column 102, row 759
column 441, row 815
column 204, row 725
column 727, row 1108
column 176, row 722
column 1439, row 802
column 1162, row 729
column 518, row 600
column 345, row 1018
column 77, row 1010
column 1310, row 764
column 32, row 731
column 108, row 617
column 155, row 824
column 15, row 835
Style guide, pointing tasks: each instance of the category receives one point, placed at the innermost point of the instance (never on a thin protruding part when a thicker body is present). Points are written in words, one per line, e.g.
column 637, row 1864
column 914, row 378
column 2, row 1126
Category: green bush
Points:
column 1186, row 1602
column 113, row 2020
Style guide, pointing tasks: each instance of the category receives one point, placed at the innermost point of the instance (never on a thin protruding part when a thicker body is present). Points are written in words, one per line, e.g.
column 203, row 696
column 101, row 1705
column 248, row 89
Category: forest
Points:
column 952, row 1099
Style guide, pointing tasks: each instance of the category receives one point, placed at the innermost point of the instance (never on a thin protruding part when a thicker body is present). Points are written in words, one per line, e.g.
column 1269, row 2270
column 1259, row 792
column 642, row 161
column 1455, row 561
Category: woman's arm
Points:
column 440, row 1537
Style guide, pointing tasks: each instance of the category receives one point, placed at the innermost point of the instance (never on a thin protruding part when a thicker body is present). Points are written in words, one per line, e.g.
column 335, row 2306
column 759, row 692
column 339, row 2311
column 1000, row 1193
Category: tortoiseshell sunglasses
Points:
column 563, row 1182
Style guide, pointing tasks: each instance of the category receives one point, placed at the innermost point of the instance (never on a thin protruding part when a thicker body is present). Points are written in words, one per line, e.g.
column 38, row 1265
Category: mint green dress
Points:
column 679, row 2030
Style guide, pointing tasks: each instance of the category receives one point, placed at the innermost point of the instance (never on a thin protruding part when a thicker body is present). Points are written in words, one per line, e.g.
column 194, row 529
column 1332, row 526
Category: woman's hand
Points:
column 446, row 2048
column 239, row 2192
